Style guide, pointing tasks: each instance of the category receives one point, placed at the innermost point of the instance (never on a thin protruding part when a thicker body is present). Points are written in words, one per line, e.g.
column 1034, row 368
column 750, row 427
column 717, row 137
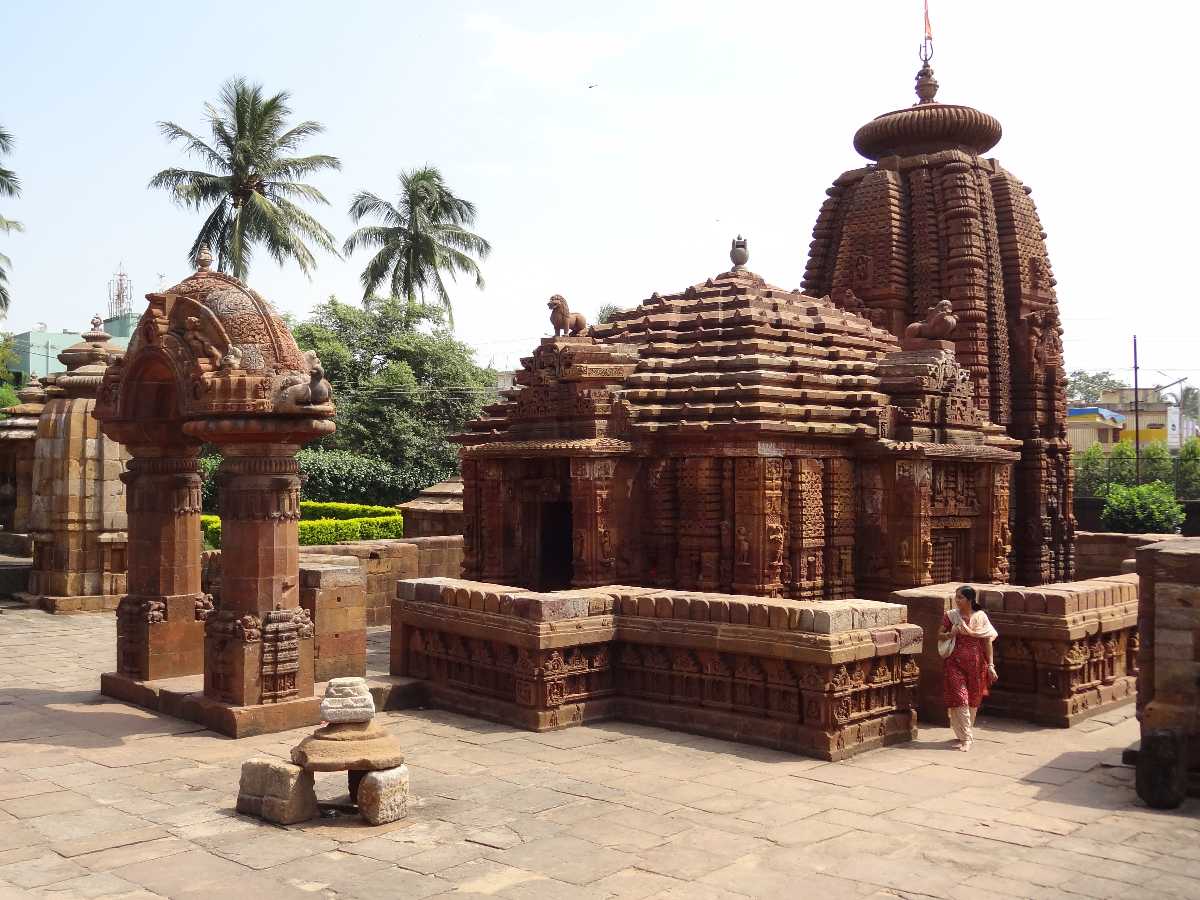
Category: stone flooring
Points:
column 99, row 799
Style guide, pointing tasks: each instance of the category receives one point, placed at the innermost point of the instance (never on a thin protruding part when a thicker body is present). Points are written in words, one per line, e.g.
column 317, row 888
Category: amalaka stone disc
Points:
column 362, row 746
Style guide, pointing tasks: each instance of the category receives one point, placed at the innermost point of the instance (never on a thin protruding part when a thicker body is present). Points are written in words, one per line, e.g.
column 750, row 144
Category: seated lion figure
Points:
column 938, row 325
column 563, row 320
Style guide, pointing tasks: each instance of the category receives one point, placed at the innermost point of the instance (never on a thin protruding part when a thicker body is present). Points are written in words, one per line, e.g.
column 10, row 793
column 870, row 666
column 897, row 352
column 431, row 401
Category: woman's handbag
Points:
column 946, row 644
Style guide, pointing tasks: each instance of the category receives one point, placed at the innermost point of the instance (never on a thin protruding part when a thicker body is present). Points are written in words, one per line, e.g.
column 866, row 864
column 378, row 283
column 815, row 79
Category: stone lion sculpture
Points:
column 937, row 326
column 563, row 320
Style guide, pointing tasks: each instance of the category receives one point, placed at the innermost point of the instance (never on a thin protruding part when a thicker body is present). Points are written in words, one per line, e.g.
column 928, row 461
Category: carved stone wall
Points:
column 824, row 679
column 1065, row 651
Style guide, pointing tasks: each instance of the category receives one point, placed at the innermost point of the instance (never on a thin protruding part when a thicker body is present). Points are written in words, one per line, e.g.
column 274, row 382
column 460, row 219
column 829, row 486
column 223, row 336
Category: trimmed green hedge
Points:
column 329, row 523
column 316, row 509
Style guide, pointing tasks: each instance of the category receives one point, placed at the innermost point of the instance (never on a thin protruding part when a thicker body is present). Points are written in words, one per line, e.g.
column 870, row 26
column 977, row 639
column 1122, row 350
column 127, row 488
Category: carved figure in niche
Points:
column 195, row 341
column 606, row 552
column 927, row 551
column 905, row 555
column 862, row 269
column 811, row 564
column 580, row 539
column 563, row 320
column 785, row 571
column 775, row 539
column 316, row 390
column 743, row 546
column 938, row 325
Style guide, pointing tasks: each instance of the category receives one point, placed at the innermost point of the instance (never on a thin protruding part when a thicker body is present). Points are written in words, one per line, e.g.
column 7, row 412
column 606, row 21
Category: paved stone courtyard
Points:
column 99, row 799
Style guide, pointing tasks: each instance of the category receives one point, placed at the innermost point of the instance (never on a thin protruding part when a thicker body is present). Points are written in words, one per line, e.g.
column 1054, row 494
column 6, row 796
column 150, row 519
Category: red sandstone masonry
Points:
column 1065, row 652
column 827, row 679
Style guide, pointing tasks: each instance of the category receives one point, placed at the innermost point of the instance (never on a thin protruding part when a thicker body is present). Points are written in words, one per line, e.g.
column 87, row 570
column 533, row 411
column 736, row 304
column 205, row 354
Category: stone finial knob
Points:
column 927, row 86
column 739, row 253
column 97, row 322
column 204, row 259
column 347, row 700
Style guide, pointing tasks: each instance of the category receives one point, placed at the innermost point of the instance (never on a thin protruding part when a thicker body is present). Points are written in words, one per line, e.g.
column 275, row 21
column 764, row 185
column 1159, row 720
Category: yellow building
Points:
column 1087, row 425
column 1158, row 420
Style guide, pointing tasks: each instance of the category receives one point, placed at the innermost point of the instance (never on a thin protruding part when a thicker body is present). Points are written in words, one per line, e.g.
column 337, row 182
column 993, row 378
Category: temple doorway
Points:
column 555, row 547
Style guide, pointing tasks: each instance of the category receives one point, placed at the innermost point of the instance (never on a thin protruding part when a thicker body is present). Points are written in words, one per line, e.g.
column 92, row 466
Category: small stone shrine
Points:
column 211, row 362
column 76, row 514
column 931, row 220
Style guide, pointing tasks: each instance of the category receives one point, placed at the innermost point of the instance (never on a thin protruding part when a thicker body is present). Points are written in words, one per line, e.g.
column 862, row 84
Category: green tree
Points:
column 1188, row 482
column 1122, row 468
column 419, row 239
column 1187, row 398
column 1143, row 509
column 1157, row 464
column 250, row 189
column 10, row 186
column 1091, row 471
column 607, row 313
column 401, row 382
column 1084, row 387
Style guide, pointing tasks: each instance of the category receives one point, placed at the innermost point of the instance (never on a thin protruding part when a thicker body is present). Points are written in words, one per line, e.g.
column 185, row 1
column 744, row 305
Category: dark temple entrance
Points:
column 555, row 546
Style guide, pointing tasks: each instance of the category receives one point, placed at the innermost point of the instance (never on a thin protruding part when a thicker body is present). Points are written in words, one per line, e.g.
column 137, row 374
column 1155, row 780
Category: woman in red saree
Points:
column 968, row 671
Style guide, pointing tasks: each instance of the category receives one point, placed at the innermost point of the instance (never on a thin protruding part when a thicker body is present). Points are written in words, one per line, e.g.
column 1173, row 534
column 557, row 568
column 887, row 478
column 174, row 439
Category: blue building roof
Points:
column 1096, row 411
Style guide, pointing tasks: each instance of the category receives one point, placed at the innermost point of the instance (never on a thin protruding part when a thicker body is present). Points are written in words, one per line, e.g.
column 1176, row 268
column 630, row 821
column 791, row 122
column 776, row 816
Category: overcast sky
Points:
column 705, row 120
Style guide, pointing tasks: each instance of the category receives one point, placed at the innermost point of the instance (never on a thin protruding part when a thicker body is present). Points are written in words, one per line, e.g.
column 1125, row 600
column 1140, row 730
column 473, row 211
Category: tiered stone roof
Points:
column 738, row 353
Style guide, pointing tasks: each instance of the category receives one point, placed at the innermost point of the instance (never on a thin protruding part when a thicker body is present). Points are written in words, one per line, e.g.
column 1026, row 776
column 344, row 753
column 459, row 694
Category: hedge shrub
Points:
column 329, row 523
column 1144, row 508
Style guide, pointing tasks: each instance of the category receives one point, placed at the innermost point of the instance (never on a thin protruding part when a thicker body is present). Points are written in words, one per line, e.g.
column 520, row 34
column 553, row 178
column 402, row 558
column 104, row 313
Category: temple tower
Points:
column 931, row 219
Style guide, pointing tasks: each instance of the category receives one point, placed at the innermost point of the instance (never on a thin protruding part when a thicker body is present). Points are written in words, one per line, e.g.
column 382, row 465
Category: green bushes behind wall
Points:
column 329, row 523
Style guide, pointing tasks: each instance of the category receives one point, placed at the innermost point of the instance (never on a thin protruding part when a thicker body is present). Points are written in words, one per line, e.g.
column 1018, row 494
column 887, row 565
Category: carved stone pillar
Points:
column 759, row 533
column 160, row 622
column 807, row 518
column 696, row 566
column 913, row 552
column 258, row 645
column 595, row 540
column 840, row 508
column 662, row 529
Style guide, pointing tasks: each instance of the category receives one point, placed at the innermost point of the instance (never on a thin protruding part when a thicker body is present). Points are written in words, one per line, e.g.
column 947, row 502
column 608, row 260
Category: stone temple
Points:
column 931, row 219
column 672, row 517
column 738, row 437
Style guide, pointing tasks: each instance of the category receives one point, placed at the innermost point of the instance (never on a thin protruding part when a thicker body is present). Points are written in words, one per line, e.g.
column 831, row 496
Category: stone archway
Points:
column 211, row 362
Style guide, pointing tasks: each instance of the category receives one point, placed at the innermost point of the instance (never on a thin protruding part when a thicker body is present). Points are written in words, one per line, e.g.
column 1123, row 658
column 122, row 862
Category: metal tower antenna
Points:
column 120, row 294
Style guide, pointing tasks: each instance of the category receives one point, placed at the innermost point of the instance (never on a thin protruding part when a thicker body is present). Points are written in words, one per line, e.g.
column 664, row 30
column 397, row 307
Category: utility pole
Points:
column 1137, row 420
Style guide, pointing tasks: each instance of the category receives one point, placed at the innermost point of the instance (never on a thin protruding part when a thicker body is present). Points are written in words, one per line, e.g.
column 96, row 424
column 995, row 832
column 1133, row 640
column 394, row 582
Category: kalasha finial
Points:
column 739, row 253
column 927, row 86
column 203, row 259
column 97, row 322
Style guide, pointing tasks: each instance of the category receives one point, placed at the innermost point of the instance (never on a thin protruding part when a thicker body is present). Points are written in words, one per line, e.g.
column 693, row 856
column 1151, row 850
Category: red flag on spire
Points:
column 928, row 29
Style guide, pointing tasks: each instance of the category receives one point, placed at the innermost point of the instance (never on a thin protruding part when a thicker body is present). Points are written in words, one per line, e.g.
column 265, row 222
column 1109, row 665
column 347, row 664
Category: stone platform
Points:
column 184, row 698
column 1065, row 652
column 826, row 679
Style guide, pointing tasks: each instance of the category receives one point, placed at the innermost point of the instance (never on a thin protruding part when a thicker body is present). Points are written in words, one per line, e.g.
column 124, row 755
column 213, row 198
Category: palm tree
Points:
column 422, row 237
column 250, row 188
column 10, row 186
column 1187, row 398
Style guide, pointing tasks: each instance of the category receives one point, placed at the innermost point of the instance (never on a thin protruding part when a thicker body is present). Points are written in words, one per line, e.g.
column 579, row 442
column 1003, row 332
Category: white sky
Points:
column 706, row 119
